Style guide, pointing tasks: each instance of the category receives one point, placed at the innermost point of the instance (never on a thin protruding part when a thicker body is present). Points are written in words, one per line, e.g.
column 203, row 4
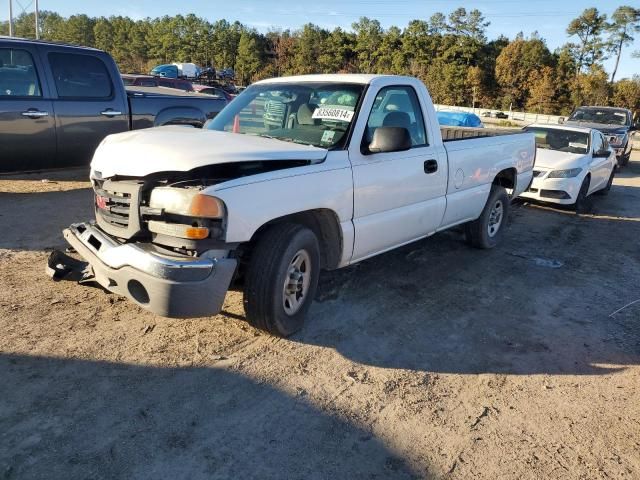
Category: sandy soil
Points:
column 432, row 361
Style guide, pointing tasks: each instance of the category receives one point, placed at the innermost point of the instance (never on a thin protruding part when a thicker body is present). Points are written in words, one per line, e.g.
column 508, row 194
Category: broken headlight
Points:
column 186, row 201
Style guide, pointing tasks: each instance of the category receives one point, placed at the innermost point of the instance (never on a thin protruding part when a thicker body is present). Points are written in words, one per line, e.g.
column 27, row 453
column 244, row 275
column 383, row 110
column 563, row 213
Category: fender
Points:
column 180, row 116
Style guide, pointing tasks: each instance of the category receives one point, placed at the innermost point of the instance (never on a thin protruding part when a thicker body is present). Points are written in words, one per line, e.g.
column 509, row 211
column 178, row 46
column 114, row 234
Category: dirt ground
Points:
column 432, row 361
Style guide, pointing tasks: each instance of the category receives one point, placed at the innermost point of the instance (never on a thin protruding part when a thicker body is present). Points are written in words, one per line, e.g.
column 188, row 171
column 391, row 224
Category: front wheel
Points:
column 282, row 279
column 605, row 190
column 582, row 204
column 623, row 161
column 487, row 230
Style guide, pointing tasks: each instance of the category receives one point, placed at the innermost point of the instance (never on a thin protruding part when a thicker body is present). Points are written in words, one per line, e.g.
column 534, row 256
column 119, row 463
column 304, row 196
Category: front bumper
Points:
column 563, row 191
column 621, row 151
column 170, row 286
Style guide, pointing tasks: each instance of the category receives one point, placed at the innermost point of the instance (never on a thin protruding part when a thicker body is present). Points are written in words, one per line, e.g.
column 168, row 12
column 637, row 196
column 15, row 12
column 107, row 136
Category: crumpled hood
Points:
column 556, row 160
column 602, row 127
column 173, row 148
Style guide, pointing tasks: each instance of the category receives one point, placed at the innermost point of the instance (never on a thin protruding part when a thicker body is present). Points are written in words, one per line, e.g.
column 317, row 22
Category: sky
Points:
column 508, row 17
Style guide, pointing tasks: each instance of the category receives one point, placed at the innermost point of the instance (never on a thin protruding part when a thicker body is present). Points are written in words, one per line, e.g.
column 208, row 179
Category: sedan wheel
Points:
column 583, row 202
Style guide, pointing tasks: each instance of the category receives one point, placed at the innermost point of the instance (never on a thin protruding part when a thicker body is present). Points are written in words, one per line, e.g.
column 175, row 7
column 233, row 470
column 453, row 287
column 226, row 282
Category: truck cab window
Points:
column 397, row 107
column 18, row 77
column 80, row 76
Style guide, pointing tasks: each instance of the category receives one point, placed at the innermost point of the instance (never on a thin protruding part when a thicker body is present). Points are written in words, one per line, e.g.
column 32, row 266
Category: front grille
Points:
column 117, row 205
column 559, row 194
column 274, row 109
column 113, row 207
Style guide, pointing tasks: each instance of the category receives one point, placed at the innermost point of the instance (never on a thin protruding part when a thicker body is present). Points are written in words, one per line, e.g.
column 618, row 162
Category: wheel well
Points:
column 506, row 178
column 326, row 226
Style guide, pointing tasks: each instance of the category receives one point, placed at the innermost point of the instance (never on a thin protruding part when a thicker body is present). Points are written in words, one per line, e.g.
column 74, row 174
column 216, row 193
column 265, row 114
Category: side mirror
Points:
column 390, row 139
column 560, row 120
column 601, row 154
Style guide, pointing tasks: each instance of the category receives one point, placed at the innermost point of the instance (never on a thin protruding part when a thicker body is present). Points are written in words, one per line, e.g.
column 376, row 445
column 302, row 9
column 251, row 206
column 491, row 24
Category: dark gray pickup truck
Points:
column 58, row 102
column 616, row 124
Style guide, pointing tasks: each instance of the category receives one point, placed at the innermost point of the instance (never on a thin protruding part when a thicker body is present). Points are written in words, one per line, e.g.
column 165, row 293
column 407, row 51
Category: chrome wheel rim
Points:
column 296, row 282
column 495, row 218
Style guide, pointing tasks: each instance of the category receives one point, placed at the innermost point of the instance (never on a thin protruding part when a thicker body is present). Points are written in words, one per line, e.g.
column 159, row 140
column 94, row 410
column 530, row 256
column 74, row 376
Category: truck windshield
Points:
column 318, row 114
column 605, row 116
column 569, row 141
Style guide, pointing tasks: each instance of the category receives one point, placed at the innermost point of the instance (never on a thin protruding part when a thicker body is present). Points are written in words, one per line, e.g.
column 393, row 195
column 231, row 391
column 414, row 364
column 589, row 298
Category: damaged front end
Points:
column 159, row 240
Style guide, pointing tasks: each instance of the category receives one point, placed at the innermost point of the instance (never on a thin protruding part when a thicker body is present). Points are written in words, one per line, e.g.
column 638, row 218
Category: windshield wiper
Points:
column 287, row 139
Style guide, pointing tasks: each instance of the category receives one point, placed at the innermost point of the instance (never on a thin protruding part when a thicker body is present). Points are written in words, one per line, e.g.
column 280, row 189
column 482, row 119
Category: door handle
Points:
column 110, row 113
column 34, row 114
column 430, row 166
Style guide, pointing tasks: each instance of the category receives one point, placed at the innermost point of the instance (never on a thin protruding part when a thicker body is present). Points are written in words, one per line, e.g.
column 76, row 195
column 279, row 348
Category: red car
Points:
column 149, row 81
column 139, row 80
column 218, row 92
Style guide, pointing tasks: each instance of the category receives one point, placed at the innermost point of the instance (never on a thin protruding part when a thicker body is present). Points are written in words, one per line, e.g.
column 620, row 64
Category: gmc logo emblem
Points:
column 101, row 202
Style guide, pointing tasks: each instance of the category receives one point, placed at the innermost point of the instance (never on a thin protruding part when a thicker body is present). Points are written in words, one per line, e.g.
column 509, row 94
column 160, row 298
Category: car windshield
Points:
column 569, row 141
column 604, row 116
column 318, row 114
column 128, row 80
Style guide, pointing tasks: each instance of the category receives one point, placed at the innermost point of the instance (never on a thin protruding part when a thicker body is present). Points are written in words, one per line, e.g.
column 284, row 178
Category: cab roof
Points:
column 361, row 78
column 22, row 41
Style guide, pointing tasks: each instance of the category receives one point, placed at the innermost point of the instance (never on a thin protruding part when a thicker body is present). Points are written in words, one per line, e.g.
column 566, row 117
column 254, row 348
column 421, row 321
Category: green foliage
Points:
column 625, row 22
column 626, row 93
column 248, row 61
column 515, row 66
column 449, row 52
column 588, row 27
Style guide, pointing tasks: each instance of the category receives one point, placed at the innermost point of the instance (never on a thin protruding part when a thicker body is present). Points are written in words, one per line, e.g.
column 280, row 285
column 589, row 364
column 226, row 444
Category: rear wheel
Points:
column 487, row 230
column 282, row 278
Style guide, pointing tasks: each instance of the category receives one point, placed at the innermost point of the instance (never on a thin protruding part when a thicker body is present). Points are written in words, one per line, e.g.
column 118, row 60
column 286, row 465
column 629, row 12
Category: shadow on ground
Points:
column 74, row 419
column 538, row 304
column 62, row 175
column 35, row 221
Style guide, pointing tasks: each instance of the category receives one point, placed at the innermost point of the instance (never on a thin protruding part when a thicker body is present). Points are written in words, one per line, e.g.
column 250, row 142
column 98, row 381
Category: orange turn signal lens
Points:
column 206, row 207
column 196, row 233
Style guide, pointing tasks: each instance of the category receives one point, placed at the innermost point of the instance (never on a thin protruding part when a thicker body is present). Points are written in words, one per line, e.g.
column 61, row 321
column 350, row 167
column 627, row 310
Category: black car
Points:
column 57, row 103
column 616, row 124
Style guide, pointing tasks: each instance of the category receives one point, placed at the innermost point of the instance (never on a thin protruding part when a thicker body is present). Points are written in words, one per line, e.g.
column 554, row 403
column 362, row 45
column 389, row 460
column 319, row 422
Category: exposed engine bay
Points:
column 165, row 208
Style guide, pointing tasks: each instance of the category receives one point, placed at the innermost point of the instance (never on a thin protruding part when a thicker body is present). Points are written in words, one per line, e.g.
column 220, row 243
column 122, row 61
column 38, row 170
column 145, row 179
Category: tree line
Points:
column 450, row 53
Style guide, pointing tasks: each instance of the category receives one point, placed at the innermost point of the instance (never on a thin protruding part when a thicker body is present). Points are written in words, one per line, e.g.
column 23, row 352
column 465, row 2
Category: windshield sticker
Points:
column 327, row 113
column 327, row 136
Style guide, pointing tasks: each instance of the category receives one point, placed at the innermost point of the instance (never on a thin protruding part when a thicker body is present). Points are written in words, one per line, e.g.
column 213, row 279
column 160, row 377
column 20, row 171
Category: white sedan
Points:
column 571, row 164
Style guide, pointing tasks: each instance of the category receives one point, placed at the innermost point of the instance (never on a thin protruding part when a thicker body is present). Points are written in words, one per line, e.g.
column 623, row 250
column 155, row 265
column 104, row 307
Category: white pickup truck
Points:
column 356, row 166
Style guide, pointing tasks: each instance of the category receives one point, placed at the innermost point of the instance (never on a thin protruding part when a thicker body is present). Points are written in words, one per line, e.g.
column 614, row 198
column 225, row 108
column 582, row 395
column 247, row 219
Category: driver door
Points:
column 398, row 196
column 599, row 165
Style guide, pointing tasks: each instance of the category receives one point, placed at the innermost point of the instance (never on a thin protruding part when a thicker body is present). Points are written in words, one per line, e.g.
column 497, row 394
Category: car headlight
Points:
column 186, row 201
column 618, row 139
column 572, row 172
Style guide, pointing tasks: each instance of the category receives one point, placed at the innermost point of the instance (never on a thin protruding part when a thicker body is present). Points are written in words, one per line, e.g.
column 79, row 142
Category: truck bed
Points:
column 151, row 106
column 452, row 134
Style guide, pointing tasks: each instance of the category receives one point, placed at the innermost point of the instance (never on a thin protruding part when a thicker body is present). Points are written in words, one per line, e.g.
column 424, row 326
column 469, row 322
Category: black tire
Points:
column 624, row 160
column 583, row 202
column 478, row 232
column 269, row 268
column 605, row 190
